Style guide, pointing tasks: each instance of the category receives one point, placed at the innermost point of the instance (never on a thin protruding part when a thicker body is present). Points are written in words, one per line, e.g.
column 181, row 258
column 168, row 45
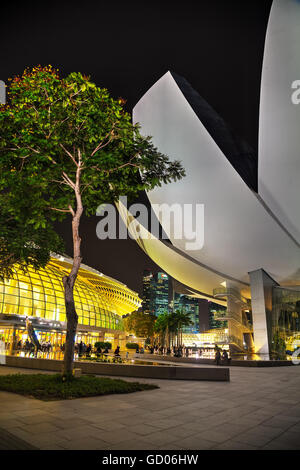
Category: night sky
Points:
column 126, row 46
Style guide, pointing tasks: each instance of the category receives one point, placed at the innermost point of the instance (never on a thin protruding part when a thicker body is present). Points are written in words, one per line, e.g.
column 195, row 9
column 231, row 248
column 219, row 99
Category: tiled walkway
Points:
column 258, row 409
column 10, row 442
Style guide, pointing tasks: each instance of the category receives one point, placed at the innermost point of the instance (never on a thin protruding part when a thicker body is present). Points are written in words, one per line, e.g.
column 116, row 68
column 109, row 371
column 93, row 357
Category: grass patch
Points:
column 51, row 386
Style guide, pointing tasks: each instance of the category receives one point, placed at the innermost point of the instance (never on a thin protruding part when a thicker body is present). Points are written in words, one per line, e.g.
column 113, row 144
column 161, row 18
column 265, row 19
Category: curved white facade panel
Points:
column 181, row 267
column 240, row 235
column 279, row 132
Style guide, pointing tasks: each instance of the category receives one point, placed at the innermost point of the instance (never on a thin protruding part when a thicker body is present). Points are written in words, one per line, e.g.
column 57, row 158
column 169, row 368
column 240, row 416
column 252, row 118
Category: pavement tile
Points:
column 281, row 421
column 259, row 435
column 259, row 408
column 142, row 429
column 194, row 442
column 160, row 438
column 87, row 443
column 234, row 445
column 116, row 436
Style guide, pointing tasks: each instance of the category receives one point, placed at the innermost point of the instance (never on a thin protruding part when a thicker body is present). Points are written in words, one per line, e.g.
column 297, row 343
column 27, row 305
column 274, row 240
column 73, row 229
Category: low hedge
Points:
column 52, row 387
column 102, row 345
column 132, row 346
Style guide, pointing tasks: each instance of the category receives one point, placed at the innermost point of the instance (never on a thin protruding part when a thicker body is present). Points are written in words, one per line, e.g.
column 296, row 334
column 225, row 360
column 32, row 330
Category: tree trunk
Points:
column 72, row 321
column 69, row 281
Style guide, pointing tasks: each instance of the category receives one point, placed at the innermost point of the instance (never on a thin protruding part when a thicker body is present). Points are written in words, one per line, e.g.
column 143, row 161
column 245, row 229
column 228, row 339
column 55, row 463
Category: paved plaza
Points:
column 258, row 409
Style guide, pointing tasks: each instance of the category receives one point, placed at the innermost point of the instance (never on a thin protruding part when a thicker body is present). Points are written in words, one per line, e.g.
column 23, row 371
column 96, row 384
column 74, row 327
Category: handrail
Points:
column 233, row 316
column 229, row 291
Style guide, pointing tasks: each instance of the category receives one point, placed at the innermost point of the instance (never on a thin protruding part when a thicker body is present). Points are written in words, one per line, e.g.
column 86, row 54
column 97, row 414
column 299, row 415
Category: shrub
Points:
column 132, row 345
column 102, row 345
column 52, row 387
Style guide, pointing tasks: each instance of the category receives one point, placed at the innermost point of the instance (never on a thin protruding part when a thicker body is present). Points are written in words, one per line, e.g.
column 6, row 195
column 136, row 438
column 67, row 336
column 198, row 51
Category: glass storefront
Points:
column 285, row 321
column 40, row 294
column 100, row 303
column 15, row 339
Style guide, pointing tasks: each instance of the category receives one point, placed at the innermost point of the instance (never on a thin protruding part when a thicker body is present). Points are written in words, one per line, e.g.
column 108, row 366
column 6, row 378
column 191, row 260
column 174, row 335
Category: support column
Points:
column 116, row 341
column 122, row 342
column 101, row 336
column 234, row 331
column 13, row 342
column 249, row 342
column 261, row 300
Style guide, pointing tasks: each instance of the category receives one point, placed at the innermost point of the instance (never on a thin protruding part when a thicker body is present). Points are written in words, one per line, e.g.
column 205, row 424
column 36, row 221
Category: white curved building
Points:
column 251, row 210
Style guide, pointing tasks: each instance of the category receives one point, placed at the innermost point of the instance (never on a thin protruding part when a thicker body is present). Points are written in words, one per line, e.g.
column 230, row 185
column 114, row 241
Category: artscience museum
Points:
column 250, row 259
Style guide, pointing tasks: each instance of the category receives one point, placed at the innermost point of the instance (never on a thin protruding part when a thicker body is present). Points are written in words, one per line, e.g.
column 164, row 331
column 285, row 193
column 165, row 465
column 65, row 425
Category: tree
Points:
column 181, row 319
column 22, row 243
column 169, row 325
column 75, row 147
column 278, row 345
column 140, row 324
column 165, row 327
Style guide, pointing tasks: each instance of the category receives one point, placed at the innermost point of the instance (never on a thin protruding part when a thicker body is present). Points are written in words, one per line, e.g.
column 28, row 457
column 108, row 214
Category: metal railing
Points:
column 235, row 317
column 221, row 292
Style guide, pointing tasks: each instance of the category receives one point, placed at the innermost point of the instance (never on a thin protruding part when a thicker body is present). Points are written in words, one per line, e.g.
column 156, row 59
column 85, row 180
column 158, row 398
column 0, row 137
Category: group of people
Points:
column 27, row 345
column 176, row 351
column 221, row 357
column 83, row 349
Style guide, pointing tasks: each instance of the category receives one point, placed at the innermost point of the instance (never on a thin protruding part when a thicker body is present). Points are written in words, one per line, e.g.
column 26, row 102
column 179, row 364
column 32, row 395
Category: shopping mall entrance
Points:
column 52, row 335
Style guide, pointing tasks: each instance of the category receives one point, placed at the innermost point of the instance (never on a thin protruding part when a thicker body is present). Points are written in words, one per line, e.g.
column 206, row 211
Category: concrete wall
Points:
column 124, row 370
column 233, row 362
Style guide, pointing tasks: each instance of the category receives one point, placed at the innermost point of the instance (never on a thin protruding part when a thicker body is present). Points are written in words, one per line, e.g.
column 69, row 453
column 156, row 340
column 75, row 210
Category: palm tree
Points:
column 170, row 325
column 164, row 326
column 181, row 319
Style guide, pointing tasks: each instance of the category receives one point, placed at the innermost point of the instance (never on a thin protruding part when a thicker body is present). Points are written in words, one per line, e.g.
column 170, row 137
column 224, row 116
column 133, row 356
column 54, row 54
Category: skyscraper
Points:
column 189, row 305
column 161, row 293
column 147, row 291
column 155, row 292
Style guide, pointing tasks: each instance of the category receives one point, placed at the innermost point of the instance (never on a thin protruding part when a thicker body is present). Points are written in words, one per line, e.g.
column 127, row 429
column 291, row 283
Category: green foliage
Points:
column 163, row 323
column 181, row 319
column 139, row 323
column 279, row 345
column 66, row 147
column 171, row 323
column 132, row 345
column 102, row 345
column 53, row 387
column 48, row 122
column 21, row 242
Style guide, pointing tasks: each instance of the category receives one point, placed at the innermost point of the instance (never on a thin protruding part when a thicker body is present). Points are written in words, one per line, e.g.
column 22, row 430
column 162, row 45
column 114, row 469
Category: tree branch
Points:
column 101, row 145
column 59, row 210
column 68, row 180
column 69, row 153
